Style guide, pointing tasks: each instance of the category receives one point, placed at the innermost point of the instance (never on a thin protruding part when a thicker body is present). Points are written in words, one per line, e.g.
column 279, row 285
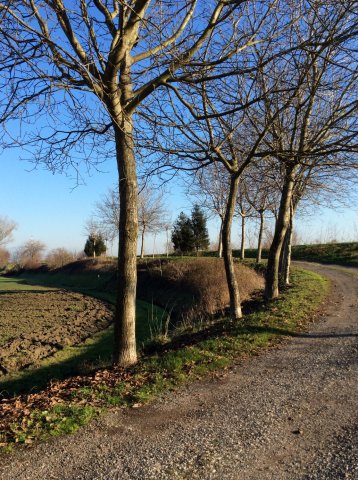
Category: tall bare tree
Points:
column 244, row 210
column 212, row 133
column 30, row 254
column 263, row 195
column 314, row 132
column 151, row 213
column 7, row 226
column 82, row 69
column 107, row 214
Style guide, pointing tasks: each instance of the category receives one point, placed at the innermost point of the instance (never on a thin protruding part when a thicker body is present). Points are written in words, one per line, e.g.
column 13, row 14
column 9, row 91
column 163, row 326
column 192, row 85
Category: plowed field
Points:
column 36, row 322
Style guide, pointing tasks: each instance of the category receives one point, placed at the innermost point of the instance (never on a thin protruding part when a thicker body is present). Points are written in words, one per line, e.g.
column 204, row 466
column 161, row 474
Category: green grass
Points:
column 12, row 284
column 97, row 284
column 335, row 253
column 190, row 355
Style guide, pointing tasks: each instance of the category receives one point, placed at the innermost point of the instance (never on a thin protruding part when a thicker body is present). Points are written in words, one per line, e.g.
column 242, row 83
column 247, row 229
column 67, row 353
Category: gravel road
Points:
column 289, row 413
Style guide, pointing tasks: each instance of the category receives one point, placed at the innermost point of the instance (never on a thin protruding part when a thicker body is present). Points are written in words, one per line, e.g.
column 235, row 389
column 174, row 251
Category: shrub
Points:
column 193, row 289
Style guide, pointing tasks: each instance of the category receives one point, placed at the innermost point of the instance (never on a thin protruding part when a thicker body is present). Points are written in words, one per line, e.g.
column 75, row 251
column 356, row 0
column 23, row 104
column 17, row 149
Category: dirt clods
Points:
column 36, row 324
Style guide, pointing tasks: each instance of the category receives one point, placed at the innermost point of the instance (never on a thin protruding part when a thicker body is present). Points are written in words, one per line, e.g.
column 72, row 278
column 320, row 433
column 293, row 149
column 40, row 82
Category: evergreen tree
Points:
column 95, row 246
column 200, row 231
column 183, row 235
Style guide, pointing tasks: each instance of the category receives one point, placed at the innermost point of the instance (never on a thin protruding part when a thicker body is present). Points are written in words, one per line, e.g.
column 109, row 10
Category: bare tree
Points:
column 107, row 214
column 263, row 195
column 7, row 226
column 84, row 68
column 214, row 140
column 58, row 257
column 209, row 137
column 151, row 213
column 209, row 187
column 4, row 257
column 167, row 226
column 30, row 254
column 95, row 233
column 312, row 134
column 244, row 210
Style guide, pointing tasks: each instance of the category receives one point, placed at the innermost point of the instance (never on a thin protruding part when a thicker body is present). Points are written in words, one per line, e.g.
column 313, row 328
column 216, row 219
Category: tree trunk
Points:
column 125, row 351
column 242, row 248
column 235, row 303
column 167, row 243
column 286, row 257
column 220, row 246
column 283, row 260
column 155, row 236
column 142, row 244
column 282, row 223
column 259, row 242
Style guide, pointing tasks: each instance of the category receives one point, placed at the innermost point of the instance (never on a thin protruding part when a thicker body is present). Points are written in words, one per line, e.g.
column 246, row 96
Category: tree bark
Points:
column 142, row 244
column 283, row 260
column 125, row 351
column 285, row 263
column 259, row 242
column 167, row 246
column 220, row 246
column 124, row 320
column 242, row 248
column 282, row 223
column 235, row 303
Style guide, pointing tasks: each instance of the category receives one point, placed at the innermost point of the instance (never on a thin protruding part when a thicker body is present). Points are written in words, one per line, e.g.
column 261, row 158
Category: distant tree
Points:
column 244, row 211
column 7, row 226
column 167, row 227
column 151, row 213
column 183, row 235
column 209, row 186
column 95, row 245
column 4, row 257
column 200, row 231
column 30, row 254
column 107, row 213
column 59, row 257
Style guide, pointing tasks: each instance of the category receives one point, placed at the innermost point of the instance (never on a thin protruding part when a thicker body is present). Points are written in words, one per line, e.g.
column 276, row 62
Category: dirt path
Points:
column 290, row 413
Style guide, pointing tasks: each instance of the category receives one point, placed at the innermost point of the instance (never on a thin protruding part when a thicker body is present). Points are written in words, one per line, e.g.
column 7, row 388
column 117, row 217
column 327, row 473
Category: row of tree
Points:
column 262, row 83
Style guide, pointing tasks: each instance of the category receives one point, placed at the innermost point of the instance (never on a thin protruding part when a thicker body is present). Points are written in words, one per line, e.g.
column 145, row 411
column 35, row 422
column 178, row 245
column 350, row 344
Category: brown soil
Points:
column 35, row 324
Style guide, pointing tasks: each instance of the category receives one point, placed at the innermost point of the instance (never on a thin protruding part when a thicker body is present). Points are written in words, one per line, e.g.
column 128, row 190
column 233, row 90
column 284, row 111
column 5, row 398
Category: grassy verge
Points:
column 65, row 406
column 334, row 253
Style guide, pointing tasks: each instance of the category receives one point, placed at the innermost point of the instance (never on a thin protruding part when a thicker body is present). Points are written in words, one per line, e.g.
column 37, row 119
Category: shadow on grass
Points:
column 237, row 329
column 84, row 359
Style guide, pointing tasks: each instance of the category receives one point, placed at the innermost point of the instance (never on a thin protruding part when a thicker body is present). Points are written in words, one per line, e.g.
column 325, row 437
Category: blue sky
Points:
column 51, row 208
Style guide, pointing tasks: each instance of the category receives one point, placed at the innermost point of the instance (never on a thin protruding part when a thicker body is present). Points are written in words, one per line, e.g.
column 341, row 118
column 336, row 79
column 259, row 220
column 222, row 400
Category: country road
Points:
column 289, row 413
